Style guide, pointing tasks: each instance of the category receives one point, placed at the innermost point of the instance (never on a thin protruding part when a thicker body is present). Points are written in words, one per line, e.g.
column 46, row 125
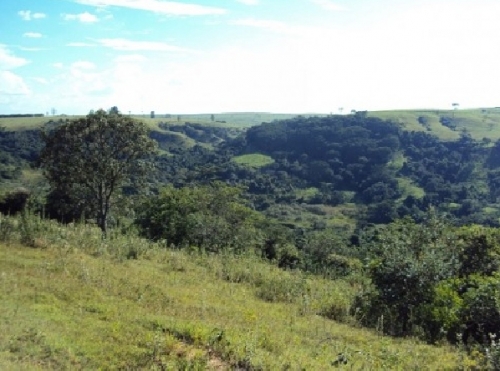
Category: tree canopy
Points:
column 88, row 160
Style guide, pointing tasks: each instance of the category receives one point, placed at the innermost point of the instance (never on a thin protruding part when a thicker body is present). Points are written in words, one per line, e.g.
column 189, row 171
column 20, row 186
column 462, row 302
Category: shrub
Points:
column 14, row 201
column 212, row 217
column 7, row 228
column 409, row 259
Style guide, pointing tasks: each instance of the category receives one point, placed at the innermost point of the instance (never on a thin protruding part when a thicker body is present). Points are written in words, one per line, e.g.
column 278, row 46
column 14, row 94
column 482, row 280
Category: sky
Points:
column 280, row 56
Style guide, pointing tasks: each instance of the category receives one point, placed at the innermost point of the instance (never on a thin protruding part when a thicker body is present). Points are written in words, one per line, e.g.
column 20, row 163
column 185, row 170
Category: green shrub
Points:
column 410, row 260
column 481, row 308
column 212, row 217
column 15, row 201
column 284, row 287
column 7, row 228
column 480, row 250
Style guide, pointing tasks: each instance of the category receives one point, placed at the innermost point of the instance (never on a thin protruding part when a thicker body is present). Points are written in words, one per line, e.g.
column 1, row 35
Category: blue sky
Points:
column 203, row 56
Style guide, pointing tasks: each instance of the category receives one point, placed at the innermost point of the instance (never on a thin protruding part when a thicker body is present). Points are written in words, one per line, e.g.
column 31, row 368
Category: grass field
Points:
column 229, row 120
column 253, row 160
column 79, row 302
column 480, row 123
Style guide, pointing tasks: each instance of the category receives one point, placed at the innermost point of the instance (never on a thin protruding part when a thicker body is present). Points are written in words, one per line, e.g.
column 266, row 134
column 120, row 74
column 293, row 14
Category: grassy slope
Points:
column 480, row 123
column 253, row 160
column 229, row 120
column 77, row 303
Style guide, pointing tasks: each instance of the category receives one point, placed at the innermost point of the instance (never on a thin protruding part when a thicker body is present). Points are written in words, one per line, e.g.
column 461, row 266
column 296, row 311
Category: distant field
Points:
column 23, row 123
column 253, row 160
column 480, row 123
column 220, row 120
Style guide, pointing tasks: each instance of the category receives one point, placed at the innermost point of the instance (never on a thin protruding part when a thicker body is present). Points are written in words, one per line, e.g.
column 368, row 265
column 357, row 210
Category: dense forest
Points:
column 386, row 171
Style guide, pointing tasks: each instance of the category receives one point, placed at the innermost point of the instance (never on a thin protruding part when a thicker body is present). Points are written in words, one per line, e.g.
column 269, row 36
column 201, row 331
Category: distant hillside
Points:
column 386, row 168
column 315, row 171
column 447, row 124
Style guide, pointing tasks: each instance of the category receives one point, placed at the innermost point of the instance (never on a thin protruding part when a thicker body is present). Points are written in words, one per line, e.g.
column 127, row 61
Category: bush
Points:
column 14, row 201
column 481, row 309
column 7, row 229
column 213, row 218
column 408, row 261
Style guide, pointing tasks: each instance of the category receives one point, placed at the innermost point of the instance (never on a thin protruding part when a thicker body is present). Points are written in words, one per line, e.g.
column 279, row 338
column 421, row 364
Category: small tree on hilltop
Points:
column 88, row 160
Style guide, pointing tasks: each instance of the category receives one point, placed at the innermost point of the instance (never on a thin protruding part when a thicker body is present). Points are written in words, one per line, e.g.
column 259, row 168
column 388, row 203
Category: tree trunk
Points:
column 102, row 223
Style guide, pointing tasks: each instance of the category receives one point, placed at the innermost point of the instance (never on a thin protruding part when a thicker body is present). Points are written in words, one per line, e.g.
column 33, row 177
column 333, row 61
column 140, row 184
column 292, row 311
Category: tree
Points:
column 88, row 160
column 407, row 261
column 114, row 110
column 213, row 217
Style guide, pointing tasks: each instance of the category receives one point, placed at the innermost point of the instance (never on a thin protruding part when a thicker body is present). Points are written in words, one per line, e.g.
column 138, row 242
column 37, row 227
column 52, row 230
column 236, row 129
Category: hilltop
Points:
column 479, row 122
column 447, row 124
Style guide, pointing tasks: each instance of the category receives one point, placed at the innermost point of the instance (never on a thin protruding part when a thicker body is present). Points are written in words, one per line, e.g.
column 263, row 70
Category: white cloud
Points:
column 9, row 61
column 328, row 5
column 41, row 80
column 271, row 25
column 58, row 65
column 12, row 84
column 26, row 49
column 158, row 6
column 28, row 16
column 130, row 58
column 129, row 45
column 80, row 45
column 33, row 35
column 82, row 17
column 83, row 65
column 249, row 2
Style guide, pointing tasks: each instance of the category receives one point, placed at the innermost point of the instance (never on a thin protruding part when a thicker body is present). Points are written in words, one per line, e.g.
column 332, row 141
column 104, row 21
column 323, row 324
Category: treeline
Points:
column 202, row 133
column 18, row 149
column 22, row 115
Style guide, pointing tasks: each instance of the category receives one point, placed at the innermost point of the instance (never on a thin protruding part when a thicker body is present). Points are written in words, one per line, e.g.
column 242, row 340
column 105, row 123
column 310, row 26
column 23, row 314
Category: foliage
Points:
column 328, row 253
column 407, row 261
column 433, row 281
column 15, row 201
column 212, row 217
column 88, row 160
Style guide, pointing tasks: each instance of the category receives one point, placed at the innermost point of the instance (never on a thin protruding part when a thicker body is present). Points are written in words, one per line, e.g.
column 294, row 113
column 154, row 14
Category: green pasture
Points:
column 253, row 160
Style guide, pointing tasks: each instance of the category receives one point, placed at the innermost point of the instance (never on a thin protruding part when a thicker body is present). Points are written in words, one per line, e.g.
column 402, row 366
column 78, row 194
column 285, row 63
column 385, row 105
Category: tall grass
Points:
column 71, row 300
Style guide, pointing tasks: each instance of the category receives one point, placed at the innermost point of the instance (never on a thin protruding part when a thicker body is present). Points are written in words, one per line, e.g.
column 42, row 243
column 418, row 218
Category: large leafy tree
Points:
column 87, row 161
column 213, row 217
